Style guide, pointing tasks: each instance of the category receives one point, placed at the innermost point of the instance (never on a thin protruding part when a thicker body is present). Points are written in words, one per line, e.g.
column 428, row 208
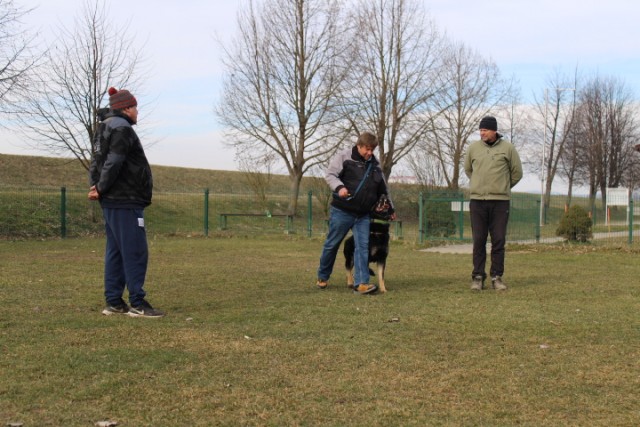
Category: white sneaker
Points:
column 477, row 283
column 498, row 284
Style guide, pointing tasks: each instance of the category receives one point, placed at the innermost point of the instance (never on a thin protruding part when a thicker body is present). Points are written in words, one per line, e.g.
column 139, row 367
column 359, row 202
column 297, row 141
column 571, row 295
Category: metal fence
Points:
column 424, row 217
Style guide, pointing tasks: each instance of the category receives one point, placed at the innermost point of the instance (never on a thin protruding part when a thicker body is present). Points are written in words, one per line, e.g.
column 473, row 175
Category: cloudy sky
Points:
column 528, row 39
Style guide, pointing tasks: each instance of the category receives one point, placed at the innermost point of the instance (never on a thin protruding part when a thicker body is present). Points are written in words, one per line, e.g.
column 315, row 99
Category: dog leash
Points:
column 364, row 178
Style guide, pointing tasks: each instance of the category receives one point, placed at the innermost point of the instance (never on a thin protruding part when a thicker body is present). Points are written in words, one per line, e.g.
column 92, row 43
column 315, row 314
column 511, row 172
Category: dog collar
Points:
column 379, row 221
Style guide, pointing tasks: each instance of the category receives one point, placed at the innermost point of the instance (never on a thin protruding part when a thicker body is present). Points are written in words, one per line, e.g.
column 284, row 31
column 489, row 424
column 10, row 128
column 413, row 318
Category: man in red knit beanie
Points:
column 121, row 180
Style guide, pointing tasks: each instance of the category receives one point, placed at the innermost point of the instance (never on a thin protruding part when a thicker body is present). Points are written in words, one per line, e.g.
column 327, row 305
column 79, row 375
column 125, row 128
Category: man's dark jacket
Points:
column 119, row 168
column 347, row 169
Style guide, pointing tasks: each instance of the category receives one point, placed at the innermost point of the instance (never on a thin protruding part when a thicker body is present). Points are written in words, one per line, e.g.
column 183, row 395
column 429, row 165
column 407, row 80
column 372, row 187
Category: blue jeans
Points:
column 340, row 222
column 126, row 255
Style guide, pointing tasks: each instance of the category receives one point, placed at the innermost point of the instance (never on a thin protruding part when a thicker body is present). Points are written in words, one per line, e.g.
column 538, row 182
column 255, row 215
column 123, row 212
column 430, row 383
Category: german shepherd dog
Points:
column 378, row 244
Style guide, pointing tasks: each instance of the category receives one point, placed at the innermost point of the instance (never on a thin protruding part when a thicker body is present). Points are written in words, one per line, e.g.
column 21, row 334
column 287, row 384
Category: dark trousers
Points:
column 489, row 217
column 126, row 255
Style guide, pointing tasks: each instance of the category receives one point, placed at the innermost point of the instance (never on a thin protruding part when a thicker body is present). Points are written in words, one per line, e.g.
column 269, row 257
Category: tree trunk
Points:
column 294, row 192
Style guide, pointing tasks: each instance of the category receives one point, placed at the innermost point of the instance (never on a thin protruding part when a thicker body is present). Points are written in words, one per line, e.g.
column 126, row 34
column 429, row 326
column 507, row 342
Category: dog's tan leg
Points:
column 381, row 286
column 350, row 279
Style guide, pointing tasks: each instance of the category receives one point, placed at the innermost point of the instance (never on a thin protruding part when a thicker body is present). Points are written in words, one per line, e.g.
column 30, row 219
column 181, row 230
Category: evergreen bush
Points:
column 440, row 221
column 575, row 225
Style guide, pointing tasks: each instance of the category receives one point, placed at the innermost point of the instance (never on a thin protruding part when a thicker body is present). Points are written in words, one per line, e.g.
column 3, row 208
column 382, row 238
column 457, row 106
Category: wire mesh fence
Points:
column 424, row 217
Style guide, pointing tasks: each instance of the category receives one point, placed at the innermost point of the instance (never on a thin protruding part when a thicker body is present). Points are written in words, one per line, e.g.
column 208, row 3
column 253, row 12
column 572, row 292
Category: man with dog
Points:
column 493, row 167
column 357, row 181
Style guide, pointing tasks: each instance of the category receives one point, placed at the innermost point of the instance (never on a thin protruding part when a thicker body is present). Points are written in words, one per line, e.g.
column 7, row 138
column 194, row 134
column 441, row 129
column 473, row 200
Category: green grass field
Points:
column 248, row 340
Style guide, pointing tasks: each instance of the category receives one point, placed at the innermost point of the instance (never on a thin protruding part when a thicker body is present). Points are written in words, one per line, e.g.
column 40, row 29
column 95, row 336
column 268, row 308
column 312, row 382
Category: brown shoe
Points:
column 364, row 288
column 322, row 284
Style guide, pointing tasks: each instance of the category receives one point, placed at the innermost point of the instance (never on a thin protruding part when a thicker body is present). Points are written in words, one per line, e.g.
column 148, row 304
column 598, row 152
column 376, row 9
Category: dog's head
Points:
column 382, row 208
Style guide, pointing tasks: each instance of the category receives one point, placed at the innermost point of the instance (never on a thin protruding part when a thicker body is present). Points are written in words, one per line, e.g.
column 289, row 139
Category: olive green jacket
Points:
column 492, row 169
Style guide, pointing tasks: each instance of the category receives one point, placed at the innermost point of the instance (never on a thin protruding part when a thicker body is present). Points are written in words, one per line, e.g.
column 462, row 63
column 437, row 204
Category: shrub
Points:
column 575, row 225
column 440, row 220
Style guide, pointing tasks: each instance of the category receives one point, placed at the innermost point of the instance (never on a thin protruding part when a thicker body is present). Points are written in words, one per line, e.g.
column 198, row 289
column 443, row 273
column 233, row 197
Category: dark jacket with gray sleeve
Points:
column 347, row 169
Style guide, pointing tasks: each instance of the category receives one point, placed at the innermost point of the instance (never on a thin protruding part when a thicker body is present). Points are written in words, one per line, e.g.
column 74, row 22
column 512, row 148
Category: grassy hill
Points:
column 61, row 172
column 178, row 197
column 178, row 191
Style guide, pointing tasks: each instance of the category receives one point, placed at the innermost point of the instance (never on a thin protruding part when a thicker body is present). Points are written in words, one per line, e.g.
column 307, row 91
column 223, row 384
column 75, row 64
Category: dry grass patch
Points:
column 249, row 340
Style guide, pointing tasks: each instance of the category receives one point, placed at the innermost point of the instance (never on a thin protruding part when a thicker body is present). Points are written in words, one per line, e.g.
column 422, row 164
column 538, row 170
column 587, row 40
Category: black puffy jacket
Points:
column 119, row 169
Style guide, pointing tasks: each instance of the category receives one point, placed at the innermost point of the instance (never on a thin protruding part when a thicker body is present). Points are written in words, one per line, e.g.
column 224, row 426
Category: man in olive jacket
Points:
column 493, row 167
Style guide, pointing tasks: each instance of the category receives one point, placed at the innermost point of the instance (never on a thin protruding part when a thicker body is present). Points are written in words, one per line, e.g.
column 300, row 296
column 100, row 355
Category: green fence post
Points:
column 538, row 230
column 630, row 221
column 206, row 212
column 461, row 217
column 290, row 229
column 420, row 218
column 309, row 214
column 398, row 230
column 63, row 212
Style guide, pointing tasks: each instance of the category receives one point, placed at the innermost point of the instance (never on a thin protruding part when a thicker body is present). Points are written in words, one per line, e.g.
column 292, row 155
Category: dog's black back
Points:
column 378, row 250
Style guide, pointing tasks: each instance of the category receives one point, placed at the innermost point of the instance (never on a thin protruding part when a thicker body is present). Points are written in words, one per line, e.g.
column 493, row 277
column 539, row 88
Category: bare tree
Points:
column 558, row 123
column 257, row 169
column 282, row 75
column 426, row 168
column 623, row 132
column 472, row 88
column 392, row 78
column 570, row 158
column 516, row 113
column 321, row 192
column 16, row 58
column 632, row 173
column 60, row 111
column 606, row 132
